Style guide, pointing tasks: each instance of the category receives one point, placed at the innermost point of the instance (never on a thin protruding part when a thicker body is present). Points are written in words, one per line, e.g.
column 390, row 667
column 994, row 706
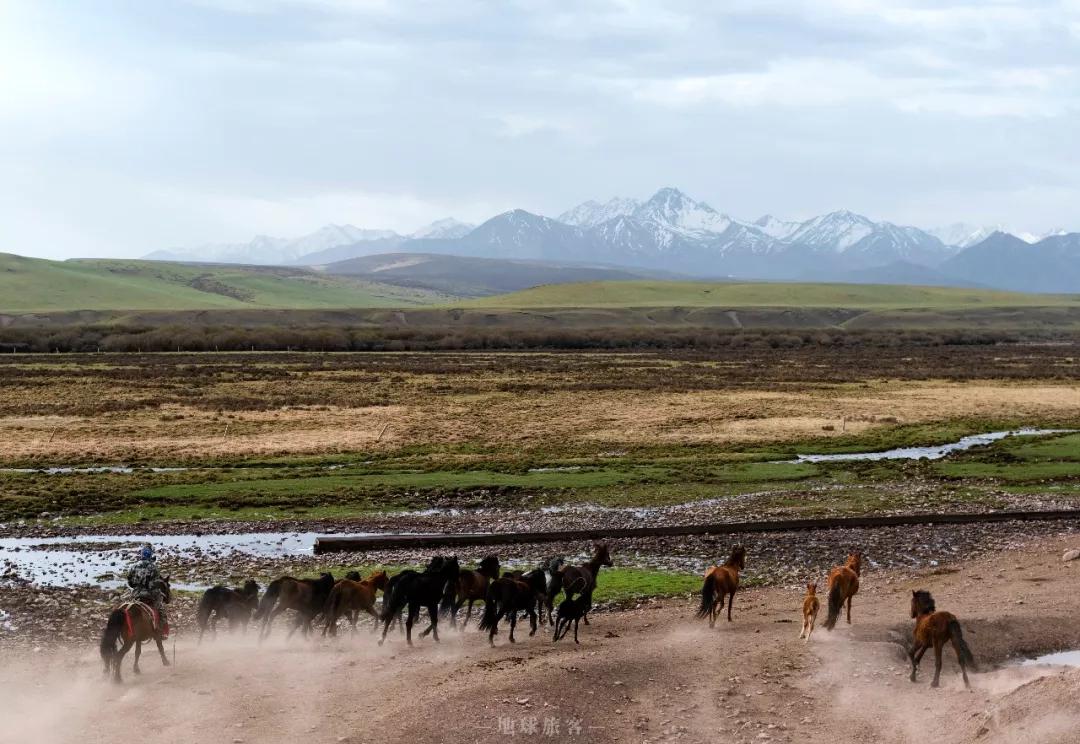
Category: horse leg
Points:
column 916, row 655
column 161, row 650
column 811, row 630
column 730, row 602
column 513, row 624
column 433, row 611
column 414, row 612
column 532, row 620
column 118, row 660
column 960, row 660
column 938, row 643
column 331, row 623
column 468, row 613
column 138, row 653
column 849, row 610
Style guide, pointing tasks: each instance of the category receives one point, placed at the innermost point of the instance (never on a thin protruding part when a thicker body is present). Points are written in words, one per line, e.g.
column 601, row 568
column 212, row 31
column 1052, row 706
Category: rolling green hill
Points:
column 32, row 285
column 631, row 294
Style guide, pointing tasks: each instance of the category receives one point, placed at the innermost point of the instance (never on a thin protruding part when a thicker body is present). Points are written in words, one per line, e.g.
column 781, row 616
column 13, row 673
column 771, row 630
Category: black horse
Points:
column 414, row 589
column 571, row 610
column 507, row 597
column 235, row 605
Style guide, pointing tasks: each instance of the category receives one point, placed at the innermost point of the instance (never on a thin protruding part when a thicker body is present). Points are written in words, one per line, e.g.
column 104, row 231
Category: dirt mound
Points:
column 1046, row 710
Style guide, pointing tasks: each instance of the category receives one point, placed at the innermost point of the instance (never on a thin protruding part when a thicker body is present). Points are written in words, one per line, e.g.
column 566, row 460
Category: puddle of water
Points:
column 38, row 561
column 1061, row 658
column 931, row 453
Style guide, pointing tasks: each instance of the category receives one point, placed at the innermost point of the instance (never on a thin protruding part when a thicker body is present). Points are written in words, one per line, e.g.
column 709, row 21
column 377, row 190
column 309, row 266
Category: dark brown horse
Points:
column 934, row 628
column 349, row 596
column 306, row 596
column 130, row 624
column 581, row 580
column 843, row 585
column 235, row 605
column 472, row 586
column 721, row 581
column 506, row 597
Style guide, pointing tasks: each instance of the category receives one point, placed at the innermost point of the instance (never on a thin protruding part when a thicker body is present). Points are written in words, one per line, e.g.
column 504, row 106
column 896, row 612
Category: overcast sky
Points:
column 127, row 127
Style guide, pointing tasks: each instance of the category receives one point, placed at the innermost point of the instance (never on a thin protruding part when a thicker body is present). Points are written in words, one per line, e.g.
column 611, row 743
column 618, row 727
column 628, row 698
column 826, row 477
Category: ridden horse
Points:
column 349, row 596
column 933, row 628
column 416, row 590
column 506, row 597
column 810, row 607
column 842, row 586
column 130, row 624
column 582, row 579
column 472, row 585
column 721, row 581
column 306, row 596
column 235, row 605
column 570, row 610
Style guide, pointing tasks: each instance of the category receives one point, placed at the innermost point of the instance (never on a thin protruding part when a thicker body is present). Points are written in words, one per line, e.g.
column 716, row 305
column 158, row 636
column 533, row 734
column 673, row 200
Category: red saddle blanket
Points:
column 155, row 618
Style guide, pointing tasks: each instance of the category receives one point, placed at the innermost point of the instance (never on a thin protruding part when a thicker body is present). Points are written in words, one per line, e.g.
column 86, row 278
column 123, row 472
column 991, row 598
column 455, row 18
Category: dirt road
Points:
column 650, row 674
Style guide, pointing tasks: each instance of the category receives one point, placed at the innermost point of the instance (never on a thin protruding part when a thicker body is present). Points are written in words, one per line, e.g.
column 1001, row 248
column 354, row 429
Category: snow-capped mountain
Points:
column 673, row 232
column 444, row 228
column 962, row 234
column 593, row 213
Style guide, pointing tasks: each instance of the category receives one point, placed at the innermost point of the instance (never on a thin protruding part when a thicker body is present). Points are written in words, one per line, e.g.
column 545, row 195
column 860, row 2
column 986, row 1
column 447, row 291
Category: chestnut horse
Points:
column 306, row 596
column 933, row 628
column 810, row 607
column 843, row 585
column 721, row 581
column 471, row 587
column 349, row 596
column 130, row 624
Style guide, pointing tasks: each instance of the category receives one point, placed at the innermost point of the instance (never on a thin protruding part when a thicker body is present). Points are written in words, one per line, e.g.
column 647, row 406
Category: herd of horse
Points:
column 442, row 588
column 933, row 629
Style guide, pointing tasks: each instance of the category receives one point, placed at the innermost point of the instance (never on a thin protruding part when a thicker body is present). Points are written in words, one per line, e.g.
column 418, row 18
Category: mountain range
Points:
column 674, row 233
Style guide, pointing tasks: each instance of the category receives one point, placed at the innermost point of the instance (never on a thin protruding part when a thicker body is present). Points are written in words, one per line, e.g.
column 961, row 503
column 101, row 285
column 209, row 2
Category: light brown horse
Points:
column 810, row 607
column 933, row 628
column 130, row 624
column 843, row 585
column 721, row 581
column 349, row 596
column 472, row 586
column 581, row 580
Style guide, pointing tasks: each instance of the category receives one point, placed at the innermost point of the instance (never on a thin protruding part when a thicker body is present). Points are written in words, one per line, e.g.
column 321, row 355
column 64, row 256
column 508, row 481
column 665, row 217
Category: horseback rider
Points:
column 146, row 584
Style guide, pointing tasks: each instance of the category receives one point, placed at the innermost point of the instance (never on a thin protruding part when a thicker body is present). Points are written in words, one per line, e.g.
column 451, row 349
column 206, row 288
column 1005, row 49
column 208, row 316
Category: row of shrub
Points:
column 366, row 338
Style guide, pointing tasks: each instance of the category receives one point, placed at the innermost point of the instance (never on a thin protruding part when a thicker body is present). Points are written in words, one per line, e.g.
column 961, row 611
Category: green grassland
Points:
column 37, row 285
column 773, row 294
column 644, row 477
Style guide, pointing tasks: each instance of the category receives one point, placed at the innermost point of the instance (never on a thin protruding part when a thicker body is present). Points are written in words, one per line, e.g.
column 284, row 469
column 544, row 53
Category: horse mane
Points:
column 737, row 558
column 922, row 602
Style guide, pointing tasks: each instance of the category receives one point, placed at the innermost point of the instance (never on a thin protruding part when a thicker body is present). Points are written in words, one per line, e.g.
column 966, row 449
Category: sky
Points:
column 129, row 126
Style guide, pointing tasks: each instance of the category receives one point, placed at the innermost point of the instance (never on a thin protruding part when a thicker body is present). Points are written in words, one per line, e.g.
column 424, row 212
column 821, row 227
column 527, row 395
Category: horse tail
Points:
column 963, row 649
column 269, row 598
column 393, row 601
column 708, row 596
column 202, row 614
column 836, row 602
column 491, row 610
column 449, row 597
column 114, row 632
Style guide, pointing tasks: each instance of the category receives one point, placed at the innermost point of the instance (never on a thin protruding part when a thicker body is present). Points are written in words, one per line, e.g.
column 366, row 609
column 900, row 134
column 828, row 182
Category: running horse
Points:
column 131, row 624
column 472, row 586
column 933, row 628
column 580, row 580
column 721, row 581
column 843, row 585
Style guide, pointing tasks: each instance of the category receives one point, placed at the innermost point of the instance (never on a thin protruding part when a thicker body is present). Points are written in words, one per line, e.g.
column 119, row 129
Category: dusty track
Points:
column 650, row 674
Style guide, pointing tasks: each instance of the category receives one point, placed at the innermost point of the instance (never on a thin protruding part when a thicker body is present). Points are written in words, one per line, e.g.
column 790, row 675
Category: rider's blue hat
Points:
column 146, row 553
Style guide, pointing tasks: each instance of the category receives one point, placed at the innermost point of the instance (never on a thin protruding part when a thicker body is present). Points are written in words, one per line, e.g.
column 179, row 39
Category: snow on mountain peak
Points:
column 446, row 228
column 592, row 213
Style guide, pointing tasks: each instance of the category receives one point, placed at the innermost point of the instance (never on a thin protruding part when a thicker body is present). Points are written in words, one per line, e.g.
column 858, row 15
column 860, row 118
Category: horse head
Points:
column 250, row 589
column 921, row 603
column 811, row 588
column 379, row 580
column 601, row 554
column 738, row 557
column 854, row 561
column 353, row 576
column 489, row 566
column 166, row 589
